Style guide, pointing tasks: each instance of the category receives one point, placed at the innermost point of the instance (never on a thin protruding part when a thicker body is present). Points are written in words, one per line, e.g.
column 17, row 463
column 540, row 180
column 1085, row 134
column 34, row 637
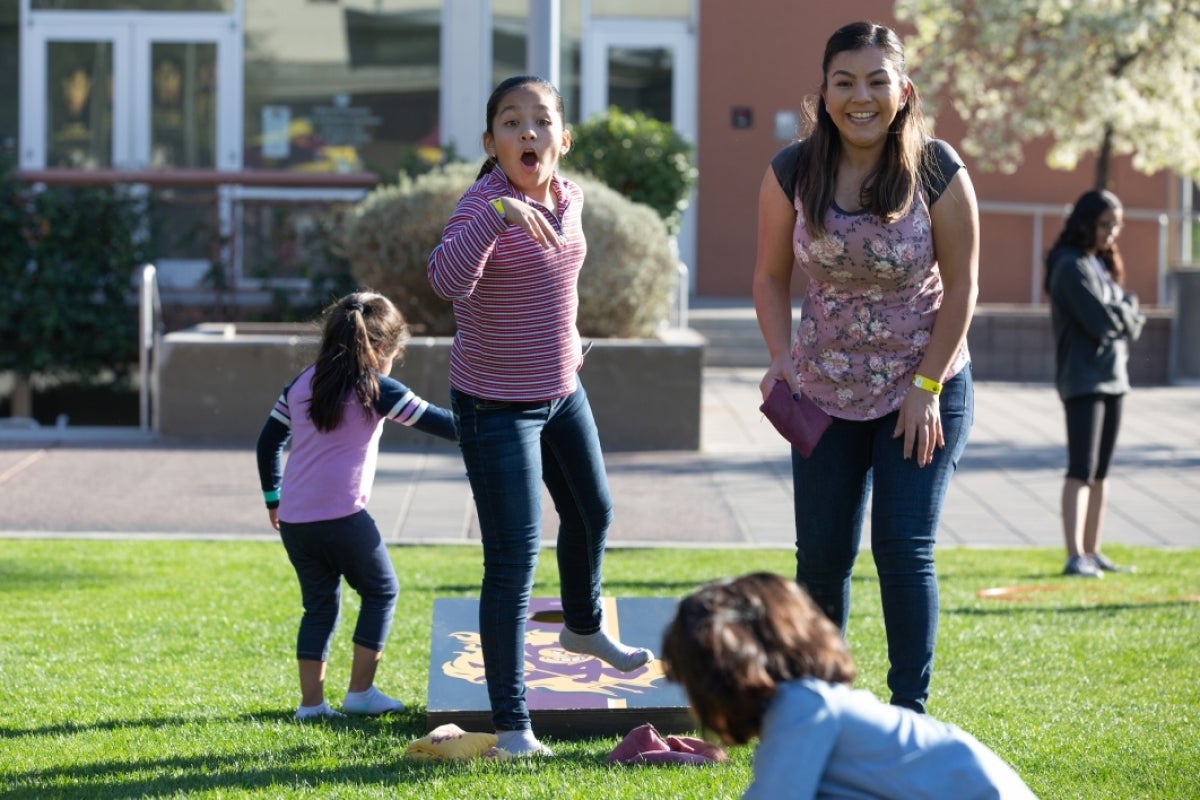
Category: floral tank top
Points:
column 873, row 294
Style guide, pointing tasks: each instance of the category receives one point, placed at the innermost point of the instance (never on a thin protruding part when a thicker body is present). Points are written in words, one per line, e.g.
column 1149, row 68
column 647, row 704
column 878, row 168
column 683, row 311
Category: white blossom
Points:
column 1067, row 70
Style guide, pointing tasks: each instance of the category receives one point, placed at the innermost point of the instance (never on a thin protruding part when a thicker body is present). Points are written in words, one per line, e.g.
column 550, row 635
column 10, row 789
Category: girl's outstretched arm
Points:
column 401, row 404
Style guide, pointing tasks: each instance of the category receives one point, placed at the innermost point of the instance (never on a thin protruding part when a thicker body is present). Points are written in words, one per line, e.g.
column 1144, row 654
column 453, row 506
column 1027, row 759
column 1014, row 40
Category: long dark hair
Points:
column 735, row 640
column 504, row 87
column 1079, row 231
column 889, row 188
column 359, row 331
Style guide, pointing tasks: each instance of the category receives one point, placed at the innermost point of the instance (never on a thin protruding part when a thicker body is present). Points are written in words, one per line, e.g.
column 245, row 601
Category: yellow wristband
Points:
column 498, row 204
column 928, row 384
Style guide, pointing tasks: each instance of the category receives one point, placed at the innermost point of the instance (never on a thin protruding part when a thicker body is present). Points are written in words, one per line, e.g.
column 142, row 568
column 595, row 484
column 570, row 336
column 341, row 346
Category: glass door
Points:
column 72, row 114
column 648, row 66
column 177, row 119
column 140, row 91
column 131, row 91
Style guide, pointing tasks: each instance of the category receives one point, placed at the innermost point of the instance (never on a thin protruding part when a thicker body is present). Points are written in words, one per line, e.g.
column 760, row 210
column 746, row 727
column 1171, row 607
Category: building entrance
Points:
column 131, row 91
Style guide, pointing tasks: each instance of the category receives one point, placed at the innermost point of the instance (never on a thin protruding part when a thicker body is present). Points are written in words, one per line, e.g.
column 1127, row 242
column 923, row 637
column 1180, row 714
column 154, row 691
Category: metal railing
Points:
column 231, row 193
column 150, row 330
column 1040, row 212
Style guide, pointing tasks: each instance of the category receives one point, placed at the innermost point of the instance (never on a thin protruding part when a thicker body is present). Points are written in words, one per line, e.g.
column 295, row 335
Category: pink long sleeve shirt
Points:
column 515, row 304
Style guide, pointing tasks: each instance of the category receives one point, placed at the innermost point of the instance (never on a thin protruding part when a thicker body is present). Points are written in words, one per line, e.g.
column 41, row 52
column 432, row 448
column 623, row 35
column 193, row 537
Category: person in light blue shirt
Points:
column 758, row 659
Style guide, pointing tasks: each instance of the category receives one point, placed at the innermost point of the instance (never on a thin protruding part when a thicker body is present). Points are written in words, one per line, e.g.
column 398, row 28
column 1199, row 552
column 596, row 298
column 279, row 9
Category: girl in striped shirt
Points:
column 509, row 259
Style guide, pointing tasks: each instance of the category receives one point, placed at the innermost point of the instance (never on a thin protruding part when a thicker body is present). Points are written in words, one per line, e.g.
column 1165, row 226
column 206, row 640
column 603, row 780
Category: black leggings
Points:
column 1092, row 424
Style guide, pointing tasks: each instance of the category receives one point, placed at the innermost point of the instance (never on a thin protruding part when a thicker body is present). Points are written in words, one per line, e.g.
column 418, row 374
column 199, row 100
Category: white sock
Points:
column 315, row 712
column 521, row 743
column 599, row 645
column 371, row 702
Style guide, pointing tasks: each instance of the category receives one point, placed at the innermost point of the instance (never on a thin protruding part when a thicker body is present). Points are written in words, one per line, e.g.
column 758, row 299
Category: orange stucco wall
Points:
column 765, row 55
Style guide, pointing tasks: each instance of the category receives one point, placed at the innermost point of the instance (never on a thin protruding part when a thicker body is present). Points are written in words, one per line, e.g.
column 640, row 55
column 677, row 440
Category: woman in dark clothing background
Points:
column 1094, row 320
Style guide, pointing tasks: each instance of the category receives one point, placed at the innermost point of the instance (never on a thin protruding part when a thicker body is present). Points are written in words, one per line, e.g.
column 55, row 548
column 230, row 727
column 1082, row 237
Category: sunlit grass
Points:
column 159, row 669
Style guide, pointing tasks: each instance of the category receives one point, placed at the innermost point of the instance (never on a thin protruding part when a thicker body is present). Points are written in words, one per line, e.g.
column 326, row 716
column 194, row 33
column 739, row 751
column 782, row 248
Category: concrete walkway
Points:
column 735, row 491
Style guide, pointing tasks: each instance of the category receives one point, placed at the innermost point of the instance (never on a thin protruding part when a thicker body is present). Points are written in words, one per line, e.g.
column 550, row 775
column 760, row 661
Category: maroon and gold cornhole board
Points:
column 569, row 695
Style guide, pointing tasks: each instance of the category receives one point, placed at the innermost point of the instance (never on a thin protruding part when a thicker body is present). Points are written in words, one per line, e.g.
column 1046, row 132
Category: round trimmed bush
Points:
column 644, row 159
column 625, row 287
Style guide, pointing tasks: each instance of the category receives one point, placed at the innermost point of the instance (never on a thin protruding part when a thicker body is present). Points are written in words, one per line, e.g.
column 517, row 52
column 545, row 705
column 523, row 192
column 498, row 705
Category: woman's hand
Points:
column 530, row 220
column 920, row 423
column 781, row 369
column 273, row 514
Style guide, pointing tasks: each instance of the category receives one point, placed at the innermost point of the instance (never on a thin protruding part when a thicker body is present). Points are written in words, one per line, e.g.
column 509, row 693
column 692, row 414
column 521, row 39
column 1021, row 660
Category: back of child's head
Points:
column 503, row 88
column 360, row 332
column 735, row 640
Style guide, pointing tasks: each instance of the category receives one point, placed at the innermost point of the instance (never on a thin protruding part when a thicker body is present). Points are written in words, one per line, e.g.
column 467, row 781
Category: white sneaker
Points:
column 1102, row 562
column 323, row 711
column 1082, row 566
column 518, row 744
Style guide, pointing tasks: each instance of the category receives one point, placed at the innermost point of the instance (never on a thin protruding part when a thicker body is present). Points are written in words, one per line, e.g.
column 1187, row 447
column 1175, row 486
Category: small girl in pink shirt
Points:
column 333, row 415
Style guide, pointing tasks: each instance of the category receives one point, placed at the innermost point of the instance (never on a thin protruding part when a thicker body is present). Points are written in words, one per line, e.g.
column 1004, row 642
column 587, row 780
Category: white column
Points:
column 543, row 39
column 1185, row 220
column 231, row 52
column 466, row 65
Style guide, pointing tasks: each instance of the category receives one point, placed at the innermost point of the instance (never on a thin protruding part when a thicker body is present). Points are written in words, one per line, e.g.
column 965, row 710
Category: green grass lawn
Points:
column 165, row 669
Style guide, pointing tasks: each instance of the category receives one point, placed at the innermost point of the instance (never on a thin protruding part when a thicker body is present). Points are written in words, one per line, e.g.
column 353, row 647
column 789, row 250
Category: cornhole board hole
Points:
column 570, row 696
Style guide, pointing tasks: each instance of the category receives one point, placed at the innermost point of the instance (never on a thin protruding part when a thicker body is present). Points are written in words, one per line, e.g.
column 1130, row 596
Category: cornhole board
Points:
column 570, row 696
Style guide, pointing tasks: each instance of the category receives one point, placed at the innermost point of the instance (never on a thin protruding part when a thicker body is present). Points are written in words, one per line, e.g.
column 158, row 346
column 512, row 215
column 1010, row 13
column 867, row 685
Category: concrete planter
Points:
column 216, row 382
column 1016, row 343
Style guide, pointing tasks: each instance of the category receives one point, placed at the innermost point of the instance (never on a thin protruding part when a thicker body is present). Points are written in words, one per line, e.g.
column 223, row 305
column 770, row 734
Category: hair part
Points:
column 1079, row 231
column 497, row 97
column 735, row 640
column 360, row 331
column 888, row 190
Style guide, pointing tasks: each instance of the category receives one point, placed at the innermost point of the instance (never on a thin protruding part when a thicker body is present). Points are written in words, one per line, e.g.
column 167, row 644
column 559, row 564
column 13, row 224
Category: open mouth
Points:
column 529, row 158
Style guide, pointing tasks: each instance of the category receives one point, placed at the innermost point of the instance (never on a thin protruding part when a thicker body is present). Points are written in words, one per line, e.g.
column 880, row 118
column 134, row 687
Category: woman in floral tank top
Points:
column 883, row 222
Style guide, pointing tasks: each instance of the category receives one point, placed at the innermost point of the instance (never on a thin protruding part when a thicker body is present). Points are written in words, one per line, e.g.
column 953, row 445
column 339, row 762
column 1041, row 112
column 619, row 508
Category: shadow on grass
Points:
column 1025, row 606
column 410, row 722
column 16, row 576
column 611, row 588
column 239, row 771
column 206, row 772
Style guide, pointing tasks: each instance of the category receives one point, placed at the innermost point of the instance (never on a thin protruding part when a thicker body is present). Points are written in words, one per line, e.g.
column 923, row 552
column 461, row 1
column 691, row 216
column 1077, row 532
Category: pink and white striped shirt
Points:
column 515, row 304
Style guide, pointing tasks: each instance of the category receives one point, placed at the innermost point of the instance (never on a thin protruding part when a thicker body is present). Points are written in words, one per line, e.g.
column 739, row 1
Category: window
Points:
column 79, row 104
column 342, row 87
column 222, row 6
column 10, row 79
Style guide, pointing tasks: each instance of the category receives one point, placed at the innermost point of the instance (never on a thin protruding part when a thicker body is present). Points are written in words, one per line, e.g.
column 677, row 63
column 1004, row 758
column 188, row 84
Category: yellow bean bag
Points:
column 450, row 743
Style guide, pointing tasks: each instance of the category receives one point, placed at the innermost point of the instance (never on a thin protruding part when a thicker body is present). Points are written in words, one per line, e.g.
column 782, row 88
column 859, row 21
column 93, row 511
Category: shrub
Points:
column 629, row 275
column 67, row 263
column 624, row 289
column 642, row 158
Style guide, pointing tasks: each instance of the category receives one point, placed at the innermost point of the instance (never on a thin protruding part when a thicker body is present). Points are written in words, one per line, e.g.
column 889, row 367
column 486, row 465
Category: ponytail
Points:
column 487, row 167
column 359, row 330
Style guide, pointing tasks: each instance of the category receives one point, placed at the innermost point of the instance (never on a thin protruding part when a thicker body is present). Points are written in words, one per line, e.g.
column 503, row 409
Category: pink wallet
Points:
column 800, row 421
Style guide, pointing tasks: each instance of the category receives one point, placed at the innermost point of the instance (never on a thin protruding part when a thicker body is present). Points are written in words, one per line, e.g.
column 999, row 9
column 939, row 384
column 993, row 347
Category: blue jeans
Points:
column 857, row 460
column 510, row 449
column 322, row 552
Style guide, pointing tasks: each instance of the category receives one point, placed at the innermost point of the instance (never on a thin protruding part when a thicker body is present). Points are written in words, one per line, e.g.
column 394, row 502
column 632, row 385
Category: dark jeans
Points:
column 1092, row 424
column 510, row 450
column 857, row 460
column 322, row 552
